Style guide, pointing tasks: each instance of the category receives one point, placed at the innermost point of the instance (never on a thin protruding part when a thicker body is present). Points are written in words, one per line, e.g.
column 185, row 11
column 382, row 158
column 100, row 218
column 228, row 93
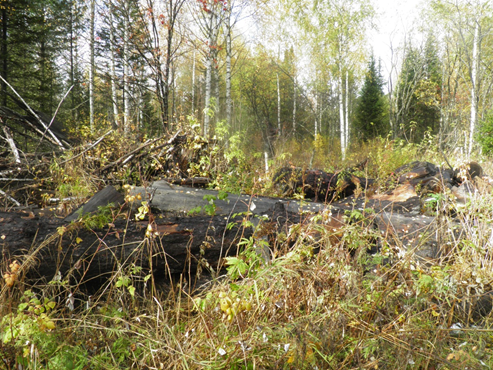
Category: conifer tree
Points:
column 370, row 111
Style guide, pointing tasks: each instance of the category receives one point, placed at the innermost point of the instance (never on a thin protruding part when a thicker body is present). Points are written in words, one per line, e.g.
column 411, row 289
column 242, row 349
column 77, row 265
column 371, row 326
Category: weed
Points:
column 325, row 299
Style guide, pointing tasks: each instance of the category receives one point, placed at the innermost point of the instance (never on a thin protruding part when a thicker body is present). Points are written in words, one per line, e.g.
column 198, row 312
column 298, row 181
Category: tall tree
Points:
column 209, row 15
column 468, row 27
column 92, row 66
column 336, row 29
column 370, row 111
column 415, row 100
column 4, row 58
column 160, row 50
column 113, row 77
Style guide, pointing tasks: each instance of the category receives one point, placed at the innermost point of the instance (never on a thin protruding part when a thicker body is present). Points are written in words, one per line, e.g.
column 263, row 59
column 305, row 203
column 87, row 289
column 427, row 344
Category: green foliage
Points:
column 385, row 155
column 32, row 319
column 485, row 134
column 210, row 208
column 98, row 220
column 370, row 112
column 418, row 97
column 249, row 259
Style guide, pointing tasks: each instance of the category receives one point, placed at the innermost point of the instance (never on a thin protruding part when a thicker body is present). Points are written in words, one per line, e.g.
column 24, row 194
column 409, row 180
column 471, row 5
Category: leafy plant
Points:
column 485, row 134
column 32, row 317
column 210, row 208
column 249, row 259
column 101, row 218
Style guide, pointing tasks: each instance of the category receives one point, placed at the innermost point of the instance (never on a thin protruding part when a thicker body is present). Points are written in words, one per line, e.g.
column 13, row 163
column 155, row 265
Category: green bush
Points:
column 485, row 134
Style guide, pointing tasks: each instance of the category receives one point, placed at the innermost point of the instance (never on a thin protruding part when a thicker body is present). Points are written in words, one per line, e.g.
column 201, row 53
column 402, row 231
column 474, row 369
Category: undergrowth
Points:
column 315, row 298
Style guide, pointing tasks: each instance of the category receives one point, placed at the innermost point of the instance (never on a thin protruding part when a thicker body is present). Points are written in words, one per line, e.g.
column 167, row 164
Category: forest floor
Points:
column 351, row 298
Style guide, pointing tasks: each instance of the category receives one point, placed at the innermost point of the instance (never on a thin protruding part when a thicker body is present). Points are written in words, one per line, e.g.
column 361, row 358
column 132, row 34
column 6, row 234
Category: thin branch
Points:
column 34, row 114
column 89, row 148
column 53, row 119
column 9, row 197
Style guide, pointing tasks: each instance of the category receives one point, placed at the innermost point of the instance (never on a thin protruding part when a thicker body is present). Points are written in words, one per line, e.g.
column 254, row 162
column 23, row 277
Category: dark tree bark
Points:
column 176, row 245
column 319, row 185
column 170, row 241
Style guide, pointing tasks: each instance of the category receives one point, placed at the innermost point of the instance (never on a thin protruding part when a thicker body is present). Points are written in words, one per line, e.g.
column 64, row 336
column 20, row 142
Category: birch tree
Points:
column 158, row 45
column 126, row 70
column 113, row 77
column 209, row 15
column 336, row 29
column 472, row 22
column 92, row 21
column 233, row 12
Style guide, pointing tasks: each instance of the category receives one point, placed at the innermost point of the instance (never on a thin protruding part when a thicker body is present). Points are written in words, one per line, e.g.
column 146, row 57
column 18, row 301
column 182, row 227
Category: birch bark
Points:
column 91, row 63
column 474, row 87
column 114, row 98
column 126, row 72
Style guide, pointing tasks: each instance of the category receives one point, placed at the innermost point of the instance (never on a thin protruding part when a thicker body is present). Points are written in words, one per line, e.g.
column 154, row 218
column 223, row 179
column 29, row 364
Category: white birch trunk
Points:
column 113, row 69
column 294, row 105
column 474, row 84
column 208, row 76
column 342, row 124
column 91, row 64
column 126, row 74
column 346, row 121
column 216, row 91
column 193, row 83
column 316, row 114
column 216, row 67
column 278, row 106
column 229, row 103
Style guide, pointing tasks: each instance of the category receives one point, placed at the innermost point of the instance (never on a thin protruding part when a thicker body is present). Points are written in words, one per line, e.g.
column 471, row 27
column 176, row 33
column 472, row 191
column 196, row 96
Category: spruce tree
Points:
column 370, row 111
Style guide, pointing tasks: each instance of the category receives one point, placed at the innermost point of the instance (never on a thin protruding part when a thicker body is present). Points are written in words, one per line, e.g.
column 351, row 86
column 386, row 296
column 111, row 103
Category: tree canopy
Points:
column 276, row 69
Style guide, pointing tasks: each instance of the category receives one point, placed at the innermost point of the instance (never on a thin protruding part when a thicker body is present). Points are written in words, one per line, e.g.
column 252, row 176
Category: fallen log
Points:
column 172, row 245
column 319, row 185
column 169, row 243
column 48, row 247
column 395, row 214
column 109, row 195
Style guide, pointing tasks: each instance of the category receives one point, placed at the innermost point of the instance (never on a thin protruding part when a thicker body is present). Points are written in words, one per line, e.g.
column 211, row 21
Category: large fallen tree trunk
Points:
column 396, row 215
column 49, row 248
column 169, row 243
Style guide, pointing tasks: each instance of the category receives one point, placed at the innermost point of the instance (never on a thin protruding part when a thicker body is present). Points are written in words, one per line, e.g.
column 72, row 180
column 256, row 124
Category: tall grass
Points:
column 324, row 299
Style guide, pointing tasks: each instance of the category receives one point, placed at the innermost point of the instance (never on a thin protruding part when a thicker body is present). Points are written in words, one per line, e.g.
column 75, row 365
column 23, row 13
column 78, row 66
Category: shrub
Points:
column 485, row 134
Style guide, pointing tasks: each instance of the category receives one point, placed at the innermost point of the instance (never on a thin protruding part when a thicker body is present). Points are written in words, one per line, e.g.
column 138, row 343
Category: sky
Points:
column 396, row 19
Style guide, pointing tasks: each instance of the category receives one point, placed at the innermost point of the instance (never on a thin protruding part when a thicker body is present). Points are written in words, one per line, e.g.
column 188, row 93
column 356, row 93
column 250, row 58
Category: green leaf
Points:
column 51, row 305
column 210, row 209
column 195, row 211
column 223, row 195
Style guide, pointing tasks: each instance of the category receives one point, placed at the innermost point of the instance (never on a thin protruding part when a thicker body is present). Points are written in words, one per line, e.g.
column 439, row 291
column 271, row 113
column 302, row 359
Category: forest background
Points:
column 265, row 74
column 229, row 92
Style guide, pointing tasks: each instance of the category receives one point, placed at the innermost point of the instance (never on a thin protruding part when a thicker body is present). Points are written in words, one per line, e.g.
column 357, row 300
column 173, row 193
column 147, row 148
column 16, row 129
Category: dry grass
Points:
column 320, row 302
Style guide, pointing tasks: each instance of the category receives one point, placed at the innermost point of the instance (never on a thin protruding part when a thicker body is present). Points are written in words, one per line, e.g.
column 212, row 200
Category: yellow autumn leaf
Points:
column 50, row 325
column 78, row 240
column 61, row 230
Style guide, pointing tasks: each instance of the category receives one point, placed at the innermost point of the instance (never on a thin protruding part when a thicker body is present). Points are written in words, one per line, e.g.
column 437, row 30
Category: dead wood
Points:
column 137, row 153
column 318, row 185
column 176, row 245
column 109, row 195
column 172, row 241
column 89, row 147
column 390, row 214
column 38, row 121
